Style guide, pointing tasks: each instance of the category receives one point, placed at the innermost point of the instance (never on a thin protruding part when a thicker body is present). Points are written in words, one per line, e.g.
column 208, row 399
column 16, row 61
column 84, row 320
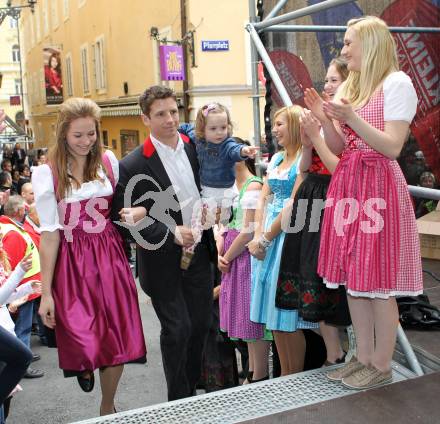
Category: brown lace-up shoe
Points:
column 367, row 378
column 349, row 368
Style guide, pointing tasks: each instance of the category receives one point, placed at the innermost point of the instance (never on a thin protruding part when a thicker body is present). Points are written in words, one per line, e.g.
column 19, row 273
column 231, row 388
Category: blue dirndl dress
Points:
column 265, row 272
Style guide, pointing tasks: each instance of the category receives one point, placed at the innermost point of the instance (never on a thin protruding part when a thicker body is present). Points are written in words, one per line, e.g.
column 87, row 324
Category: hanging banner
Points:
column 293, row 74
column 171, row 63
column 419, row 57
column 52, row 76
column 330, row 43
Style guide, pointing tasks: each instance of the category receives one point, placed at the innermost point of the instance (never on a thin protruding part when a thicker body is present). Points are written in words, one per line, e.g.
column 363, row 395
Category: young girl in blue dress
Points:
column 268, row 240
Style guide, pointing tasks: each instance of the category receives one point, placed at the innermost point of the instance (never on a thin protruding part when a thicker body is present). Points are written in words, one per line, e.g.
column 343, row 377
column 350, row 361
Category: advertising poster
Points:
column 52, row 75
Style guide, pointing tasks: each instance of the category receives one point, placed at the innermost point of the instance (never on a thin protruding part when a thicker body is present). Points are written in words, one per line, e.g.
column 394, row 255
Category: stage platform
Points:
column 247, row 403
column 310, row 398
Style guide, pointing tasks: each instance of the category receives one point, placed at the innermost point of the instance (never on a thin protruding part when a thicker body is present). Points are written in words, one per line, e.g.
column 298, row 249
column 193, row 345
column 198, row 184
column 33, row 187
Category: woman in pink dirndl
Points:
column 369, row 239
column 89, row 294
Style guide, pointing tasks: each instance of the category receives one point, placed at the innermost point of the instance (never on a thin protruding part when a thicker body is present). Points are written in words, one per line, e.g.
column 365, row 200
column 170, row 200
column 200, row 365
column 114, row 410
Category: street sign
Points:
column 215, row 45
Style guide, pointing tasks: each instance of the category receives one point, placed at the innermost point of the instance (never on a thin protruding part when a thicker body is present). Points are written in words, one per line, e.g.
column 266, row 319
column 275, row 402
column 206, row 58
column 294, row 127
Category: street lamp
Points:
column 15, row 11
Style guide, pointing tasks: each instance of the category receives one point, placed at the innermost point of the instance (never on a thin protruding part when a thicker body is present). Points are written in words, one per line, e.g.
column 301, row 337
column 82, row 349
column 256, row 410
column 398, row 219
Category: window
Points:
column 69, row 75
column 105, row 138
column 17, row 83
column 16, row 53
column 42, row 86
column 37, row 23
column 85, row 68
column 66, row 9
column 129, row 141
column 100, row 77
column 12, row 23
column 45, row 18
column 54, row 13
column 31, row 32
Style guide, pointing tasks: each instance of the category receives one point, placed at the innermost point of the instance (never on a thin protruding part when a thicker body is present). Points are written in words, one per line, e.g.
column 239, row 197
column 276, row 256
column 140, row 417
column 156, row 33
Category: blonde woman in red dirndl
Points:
column 369, row 239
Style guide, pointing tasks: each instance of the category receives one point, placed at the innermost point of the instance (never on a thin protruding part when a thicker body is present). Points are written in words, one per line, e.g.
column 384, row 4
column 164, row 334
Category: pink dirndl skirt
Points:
column 369, row 238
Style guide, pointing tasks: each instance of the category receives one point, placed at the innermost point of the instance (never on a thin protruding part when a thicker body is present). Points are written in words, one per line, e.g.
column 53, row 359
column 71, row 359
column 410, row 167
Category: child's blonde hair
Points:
column 379, row 59
column 202, row 116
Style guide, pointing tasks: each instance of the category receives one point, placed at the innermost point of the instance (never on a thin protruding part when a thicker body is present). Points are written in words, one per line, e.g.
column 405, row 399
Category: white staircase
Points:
column 247, row 402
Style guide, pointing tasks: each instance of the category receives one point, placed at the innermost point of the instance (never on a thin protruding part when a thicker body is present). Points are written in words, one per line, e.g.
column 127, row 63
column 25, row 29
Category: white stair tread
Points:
column 245, row 402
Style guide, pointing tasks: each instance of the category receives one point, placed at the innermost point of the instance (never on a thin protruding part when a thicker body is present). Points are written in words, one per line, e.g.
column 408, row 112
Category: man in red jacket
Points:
column 17, row 243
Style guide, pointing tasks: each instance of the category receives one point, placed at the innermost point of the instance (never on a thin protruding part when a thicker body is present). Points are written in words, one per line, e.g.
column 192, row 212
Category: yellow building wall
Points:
column 131, row 56
column 130, row 53
column 223, row 76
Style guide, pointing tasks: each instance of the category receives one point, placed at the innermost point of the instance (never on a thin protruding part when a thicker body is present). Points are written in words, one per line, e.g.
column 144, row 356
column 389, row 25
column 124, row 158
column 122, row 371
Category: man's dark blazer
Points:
column 18, row 159
column 160, row 268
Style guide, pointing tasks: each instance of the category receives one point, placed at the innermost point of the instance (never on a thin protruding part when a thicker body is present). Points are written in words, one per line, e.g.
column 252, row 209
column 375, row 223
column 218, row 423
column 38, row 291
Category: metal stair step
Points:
column 245, row 402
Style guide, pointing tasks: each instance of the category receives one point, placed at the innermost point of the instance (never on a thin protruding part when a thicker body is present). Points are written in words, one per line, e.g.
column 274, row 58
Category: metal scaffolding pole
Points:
column 424, row 193
column 343, row 28
column 255, row 88
column 305, row 11
column 269, row 65
column 258, row 45
column 275, row 10
column 409, row 352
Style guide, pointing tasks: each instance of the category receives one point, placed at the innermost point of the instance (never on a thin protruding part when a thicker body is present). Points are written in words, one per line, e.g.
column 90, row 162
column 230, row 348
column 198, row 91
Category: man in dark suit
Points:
column 163, row 174
column 18, row 156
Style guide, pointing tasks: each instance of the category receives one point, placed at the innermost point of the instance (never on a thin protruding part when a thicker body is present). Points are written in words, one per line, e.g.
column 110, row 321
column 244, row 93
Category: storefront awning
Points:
column 112, row 111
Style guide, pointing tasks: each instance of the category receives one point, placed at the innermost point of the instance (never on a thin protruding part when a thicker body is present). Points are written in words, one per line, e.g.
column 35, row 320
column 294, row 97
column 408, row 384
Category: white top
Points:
column 179, row 171
column 400, row 98
column 8, row 295
column 250, row 199
column 273, row 171
column 45, row 198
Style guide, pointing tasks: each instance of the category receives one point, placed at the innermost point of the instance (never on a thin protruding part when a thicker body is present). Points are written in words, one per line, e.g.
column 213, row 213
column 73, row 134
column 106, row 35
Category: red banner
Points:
column 14, row 101
column 293, row 74
column 419, row 57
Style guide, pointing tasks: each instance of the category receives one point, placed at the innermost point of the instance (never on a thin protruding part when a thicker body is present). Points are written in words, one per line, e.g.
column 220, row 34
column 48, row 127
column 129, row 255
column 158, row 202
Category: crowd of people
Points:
column 327, row 238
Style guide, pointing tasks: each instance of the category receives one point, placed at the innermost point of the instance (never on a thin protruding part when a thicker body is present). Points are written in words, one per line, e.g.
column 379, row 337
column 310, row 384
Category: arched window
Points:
column 16, row 53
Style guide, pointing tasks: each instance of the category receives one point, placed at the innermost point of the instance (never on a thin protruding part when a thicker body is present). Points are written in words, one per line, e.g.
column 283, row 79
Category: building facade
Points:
column 105, row 53
column 10, row 81
column 108, row 50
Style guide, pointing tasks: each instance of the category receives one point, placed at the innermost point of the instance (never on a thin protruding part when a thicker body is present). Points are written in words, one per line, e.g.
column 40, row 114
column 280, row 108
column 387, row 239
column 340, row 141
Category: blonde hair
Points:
column 341, row 67
column 202, row 117
column 293, row 114
column 379, row 59
column 71, row 110
column 4, row 262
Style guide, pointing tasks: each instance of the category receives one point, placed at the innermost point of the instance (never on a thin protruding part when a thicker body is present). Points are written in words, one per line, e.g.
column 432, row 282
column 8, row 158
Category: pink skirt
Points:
column 369, row 238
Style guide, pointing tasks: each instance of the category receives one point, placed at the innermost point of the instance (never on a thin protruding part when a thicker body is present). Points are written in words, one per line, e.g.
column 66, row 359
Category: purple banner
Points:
column 172, row 64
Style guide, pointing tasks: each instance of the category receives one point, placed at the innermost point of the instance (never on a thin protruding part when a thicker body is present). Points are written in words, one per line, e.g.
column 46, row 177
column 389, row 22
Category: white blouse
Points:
column 400, row 98
column 9, row 293
column 45, row 198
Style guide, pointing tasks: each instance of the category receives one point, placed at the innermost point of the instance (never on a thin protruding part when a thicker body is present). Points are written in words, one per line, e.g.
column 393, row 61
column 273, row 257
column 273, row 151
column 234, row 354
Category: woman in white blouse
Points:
column 373, row 249
column 89, row 295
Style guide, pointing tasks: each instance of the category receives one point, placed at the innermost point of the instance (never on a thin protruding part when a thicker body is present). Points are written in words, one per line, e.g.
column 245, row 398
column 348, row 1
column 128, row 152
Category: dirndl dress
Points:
column 369, row 238
column 265, row 273
column 299, row 286
column 98, row 321
column 235, row 291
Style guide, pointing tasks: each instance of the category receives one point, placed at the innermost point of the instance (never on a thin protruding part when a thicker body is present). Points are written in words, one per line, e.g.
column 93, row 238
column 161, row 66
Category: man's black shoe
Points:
column 33, row 373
